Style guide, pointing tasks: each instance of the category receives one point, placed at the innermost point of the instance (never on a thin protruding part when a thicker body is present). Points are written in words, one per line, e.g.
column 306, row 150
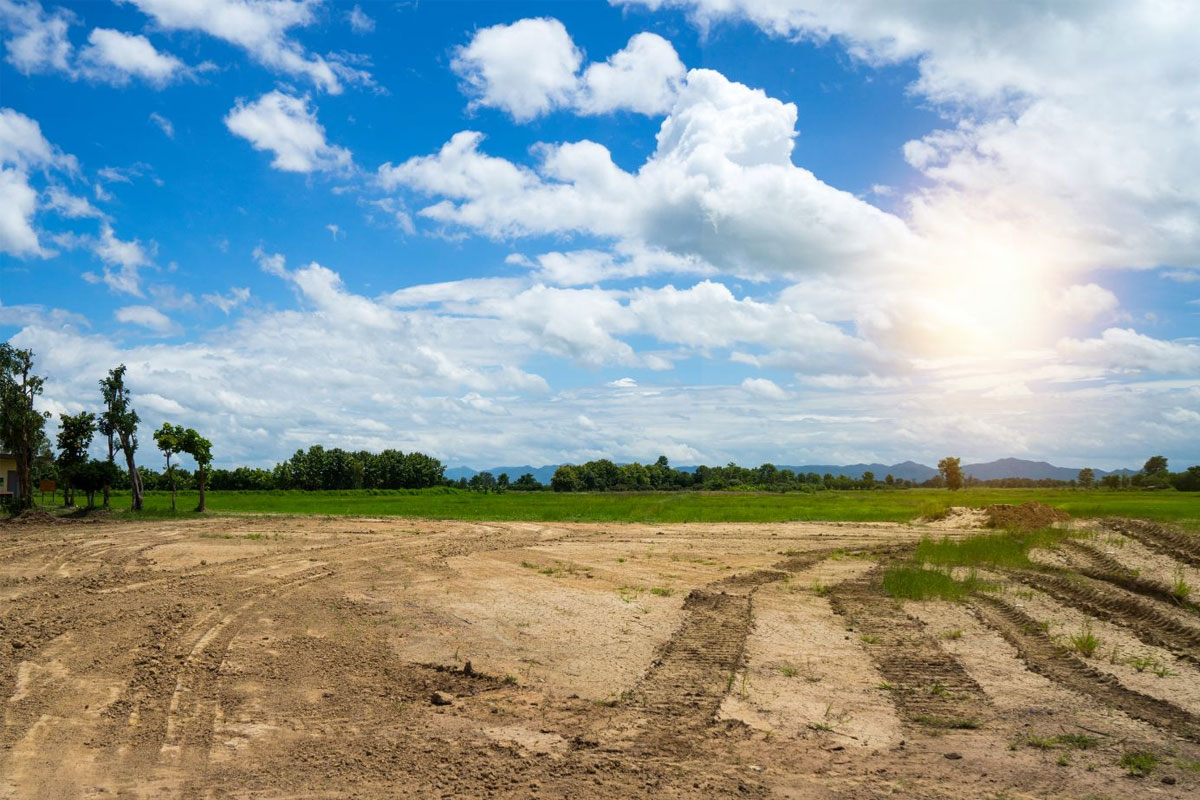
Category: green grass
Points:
column 986, row 550
column 1139, row 763
column 667, row 507
column 918, row 583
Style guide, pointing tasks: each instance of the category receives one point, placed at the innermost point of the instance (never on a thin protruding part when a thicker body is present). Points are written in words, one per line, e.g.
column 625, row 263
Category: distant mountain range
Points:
column 907, row 470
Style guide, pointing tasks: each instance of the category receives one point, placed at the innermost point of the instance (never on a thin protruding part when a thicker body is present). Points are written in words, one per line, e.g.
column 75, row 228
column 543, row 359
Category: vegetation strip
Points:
column 927, row 684
column 1047, row 658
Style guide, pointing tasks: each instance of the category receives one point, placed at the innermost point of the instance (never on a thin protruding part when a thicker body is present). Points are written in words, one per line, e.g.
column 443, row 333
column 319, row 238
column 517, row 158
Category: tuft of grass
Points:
column 1163, row 671
column 867, row 639
column 952, row 635
column 821, row 589
column 1085, row 642
column 1139, row 763
column 1142, row 663
column 917, row 583
column 662, row 592
column 789, row 672
column 1180, row 588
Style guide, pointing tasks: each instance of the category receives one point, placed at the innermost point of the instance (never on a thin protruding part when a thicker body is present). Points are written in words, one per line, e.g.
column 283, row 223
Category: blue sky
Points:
column 793, row 231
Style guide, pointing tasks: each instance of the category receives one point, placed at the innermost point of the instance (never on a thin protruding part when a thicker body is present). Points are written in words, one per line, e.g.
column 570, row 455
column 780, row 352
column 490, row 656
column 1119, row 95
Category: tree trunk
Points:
column 111, row 454
column 203, row 480
column 171, row 475
column 25, row 476
column 135, row 479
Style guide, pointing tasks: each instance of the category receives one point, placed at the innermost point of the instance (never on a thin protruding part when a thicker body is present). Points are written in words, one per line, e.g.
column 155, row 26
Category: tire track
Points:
column 928, row 685
column 1047, row 658
column 1145, row 621
column 1179, row 546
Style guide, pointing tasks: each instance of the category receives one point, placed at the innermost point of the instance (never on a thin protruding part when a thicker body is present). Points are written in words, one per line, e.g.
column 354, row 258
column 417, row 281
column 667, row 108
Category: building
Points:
column 8, row 475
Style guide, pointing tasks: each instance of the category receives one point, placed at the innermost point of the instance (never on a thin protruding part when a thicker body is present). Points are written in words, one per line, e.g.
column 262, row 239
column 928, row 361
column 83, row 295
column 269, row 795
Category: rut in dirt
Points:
column 1093, row 563
column 1143, row 619
column 694, row 670
column 928, row 685
column 1048, row 658
column 1179, row 546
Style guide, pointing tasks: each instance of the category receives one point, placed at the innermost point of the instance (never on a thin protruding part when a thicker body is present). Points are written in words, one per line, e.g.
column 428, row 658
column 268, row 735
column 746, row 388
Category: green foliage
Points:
column 119, row 422
column 1086, row 478
column 75, row 433
column 1139, row 763
column 1085, row 642
column 950, row 470
column 22, row 426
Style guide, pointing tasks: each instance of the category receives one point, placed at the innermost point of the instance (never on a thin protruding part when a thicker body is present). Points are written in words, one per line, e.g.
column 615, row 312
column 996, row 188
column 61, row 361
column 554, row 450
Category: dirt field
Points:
column 353, row 658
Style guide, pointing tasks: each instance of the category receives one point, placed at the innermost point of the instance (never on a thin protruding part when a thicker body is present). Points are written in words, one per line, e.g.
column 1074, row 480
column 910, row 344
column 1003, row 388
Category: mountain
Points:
column 543, row 474
column 905, row 470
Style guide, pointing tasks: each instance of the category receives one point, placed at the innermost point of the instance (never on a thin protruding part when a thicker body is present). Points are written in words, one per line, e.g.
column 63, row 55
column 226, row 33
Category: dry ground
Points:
column 298, row 658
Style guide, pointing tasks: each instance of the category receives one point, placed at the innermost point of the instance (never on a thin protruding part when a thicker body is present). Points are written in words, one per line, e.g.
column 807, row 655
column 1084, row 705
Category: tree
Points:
column 121, row 420
column 1155, row 465
column 93, row 476
column 889, row 479
column 950, row 470
column 75, row 433
column 170, row 439
column 868, row 480
column 22, row 427
column 199, row 449
column 1188, row 481
column 1086, row 477
column 566, row 479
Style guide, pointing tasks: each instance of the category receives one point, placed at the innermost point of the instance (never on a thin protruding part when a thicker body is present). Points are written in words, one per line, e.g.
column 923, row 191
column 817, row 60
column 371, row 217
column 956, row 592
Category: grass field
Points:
column 851, row 506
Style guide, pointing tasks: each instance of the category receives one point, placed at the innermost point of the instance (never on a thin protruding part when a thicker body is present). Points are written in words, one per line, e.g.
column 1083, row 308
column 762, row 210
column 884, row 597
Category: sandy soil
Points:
column 264, row 657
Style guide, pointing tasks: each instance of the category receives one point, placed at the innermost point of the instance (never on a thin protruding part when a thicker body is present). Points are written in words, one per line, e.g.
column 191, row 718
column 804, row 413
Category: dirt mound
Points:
column 1027, row 516
column 957, row 517
column 32, row 516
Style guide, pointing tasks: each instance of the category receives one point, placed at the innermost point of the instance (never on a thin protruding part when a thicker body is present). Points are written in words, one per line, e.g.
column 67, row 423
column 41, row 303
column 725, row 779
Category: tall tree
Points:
column 75, row 433
column 200, row 449
column 1086, row 478
column 951, row 471
column 121, row 420
column 21, row 425
column 170, row 439
column 1155, row 465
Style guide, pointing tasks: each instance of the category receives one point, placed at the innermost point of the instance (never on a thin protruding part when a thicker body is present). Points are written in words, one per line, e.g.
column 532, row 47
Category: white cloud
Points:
column 228, row 302
column 335, row 231
column 623, row 383
column 720, row 188
column 532, row 67
column 526, row 68
column 1073, row 140
column 37, row 42
column 164, row 124
column 71, row 206
column 359, row 21
column 18, row 202
column 284, row 125
column 147, row 317
column 127, row 256
column 1126, row 349
column 270, row 263
column 1086, row 302
column 762, row 387
column 23, row 148
column 1181, row 275
column 115, row 57
column 644, row 77
column 261, row 29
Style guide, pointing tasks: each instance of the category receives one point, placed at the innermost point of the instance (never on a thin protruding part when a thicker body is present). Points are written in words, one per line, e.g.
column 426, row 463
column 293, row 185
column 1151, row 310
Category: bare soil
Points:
column 267, row 657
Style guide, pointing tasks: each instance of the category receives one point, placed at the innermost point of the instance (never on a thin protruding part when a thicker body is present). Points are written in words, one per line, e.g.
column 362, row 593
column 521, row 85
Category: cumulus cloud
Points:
column 762, row 387
column 1126, row 349
column 644, row 77
column 260, row 29
column 526, row 68
column 147, row 317
column 1086, row 302
column 284, row 125
column 720, row 188
column 23, row 148
column 115, row 57
column 532, row 67
column 1022, row 82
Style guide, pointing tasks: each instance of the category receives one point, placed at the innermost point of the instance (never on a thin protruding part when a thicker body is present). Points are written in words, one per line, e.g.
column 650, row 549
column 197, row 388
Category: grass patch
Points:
column 918, row 583
column 1139, row 763
column 986, row 550
column 662, row 592
column 884, row 505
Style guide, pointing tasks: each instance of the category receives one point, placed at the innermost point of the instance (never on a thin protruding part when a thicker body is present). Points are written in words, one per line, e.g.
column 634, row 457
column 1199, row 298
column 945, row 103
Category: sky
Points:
column 796, row 231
